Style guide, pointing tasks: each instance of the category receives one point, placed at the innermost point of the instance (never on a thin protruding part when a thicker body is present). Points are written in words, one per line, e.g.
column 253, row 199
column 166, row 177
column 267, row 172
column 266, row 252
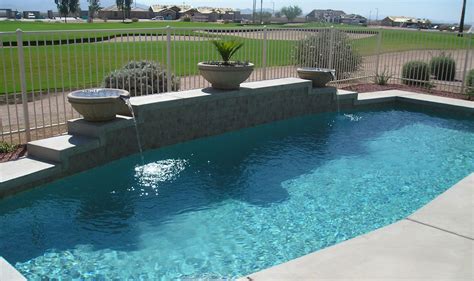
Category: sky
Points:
column 435, row 10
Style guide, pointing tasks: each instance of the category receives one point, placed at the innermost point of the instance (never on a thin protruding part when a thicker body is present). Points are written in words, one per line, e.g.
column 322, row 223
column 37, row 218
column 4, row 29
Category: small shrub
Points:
column 470, row 83
column 382, row 78
column 186, row 19
column 134, row 19
column 5, row 147
column 141, row 78
column 315, row 51
column 227, row 48
column 416, row 73
column 443, row 67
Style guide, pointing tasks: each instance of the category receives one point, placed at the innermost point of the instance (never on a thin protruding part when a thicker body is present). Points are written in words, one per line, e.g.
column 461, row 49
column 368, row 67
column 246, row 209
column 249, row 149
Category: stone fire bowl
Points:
column 225, row 77
column 98, row 105
column 319, row 76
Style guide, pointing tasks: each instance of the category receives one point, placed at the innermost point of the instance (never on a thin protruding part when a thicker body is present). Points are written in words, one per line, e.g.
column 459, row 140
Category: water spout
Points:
column 126, row 100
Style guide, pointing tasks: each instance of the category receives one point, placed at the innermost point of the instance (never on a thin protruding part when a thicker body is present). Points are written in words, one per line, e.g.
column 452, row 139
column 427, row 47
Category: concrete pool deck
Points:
column 434, row 243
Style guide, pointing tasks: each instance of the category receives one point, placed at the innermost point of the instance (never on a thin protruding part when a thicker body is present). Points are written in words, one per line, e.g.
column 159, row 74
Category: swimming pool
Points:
column 237, row 203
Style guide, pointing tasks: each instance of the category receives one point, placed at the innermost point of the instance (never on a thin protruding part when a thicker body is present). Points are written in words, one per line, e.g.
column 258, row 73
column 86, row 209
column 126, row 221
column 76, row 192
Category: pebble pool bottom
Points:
column 230, row 205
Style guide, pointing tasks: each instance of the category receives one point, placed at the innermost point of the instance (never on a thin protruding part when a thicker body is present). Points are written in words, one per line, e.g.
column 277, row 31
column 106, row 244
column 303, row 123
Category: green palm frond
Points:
column 227, row 49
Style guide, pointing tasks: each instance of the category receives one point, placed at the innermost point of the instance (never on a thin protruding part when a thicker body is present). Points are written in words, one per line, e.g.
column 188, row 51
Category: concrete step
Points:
column 55, row 149
column 15, row 175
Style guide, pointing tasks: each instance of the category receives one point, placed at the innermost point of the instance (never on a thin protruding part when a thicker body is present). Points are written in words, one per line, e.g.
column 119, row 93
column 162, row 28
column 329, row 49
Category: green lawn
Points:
column 85, row 65
column 401, row 40
column 10, row 26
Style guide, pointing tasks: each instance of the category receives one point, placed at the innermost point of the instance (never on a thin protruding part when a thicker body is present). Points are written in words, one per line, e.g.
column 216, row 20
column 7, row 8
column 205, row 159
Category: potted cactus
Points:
column 226, row 74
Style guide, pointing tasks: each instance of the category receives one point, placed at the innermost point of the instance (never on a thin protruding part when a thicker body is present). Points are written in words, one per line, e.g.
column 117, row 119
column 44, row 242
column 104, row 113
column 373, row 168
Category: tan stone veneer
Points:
column 166, row 119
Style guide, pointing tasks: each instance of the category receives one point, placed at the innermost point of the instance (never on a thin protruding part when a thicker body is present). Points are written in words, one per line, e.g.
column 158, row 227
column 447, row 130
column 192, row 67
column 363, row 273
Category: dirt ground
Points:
column 19, row 152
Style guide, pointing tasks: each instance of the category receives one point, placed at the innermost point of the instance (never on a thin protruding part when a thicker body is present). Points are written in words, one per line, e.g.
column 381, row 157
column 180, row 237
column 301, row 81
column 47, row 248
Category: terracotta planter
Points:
column 319, row 76
column 98, row 105
column 225, row 77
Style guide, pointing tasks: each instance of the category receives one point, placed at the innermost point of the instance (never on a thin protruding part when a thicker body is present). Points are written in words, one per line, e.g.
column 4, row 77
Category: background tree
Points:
column 67, row 7
column 291, row 12
column 121, row 7
column 125, row 6
column 94, row 7
column 264, row 17
column 128, row 6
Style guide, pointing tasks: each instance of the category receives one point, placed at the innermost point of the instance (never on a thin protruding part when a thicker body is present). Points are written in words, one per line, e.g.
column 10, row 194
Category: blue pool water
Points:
column 233, row 204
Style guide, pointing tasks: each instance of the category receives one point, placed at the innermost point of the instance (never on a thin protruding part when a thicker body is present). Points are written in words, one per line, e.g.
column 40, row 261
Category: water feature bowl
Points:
column 319, row 76
column 98, row 105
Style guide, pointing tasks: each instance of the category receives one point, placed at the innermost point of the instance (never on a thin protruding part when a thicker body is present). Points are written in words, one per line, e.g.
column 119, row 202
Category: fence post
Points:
column 168, row 58
column 24, row 98
column 378, row 50
column 264, row 55
column 466, row 60
column 331, row 48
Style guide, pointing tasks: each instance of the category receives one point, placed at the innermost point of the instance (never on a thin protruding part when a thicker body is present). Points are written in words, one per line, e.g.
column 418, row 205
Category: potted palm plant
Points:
column 226, row 74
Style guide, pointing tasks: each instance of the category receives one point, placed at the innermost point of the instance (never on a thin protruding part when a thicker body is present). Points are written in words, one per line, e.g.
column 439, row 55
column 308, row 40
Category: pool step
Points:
column 56, row 149
column 17, row 175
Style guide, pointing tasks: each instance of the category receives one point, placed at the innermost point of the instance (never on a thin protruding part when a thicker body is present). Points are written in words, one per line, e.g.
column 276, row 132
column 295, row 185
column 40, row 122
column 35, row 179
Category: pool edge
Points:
column 434, row 242
column 8, row 272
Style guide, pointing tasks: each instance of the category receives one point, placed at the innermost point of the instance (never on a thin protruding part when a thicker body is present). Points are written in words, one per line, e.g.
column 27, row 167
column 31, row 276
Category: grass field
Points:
column 85, row 65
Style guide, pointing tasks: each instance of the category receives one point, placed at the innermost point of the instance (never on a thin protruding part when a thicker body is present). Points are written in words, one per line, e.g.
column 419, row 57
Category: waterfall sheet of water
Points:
column 337, row 102
column 129, row 105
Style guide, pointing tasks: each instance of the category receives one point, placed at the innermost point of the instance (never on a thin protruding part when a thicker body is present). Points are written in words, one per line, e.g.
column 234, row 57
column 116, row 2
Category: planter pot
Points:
column 319, row 76
column 225, row 77
column 98, row 105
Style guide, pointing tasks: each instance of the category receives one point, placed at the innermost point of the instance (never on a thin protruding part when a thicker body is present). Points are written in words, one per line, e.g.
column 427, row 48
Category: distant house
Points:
column 402, row 21
column 331, row 16
column 233, row 15
column 190, row 13
column 208, row 14
column 7, row 13
column 168, row 12
column 453, row 27
column 114, row 13
column 353, row 19
column 31, row 14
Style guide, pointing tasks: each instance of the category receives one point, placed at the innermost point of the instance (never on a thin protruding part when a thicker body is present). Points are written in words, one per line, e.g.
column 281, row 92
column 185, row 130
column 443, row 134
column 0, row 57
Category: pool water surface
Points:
column 230, row 205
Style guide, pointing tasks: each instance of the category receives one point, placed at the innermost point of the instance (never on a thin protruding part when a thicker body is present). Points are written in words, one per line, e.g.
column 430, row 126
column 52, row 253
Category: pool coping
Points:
column 436, row 242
